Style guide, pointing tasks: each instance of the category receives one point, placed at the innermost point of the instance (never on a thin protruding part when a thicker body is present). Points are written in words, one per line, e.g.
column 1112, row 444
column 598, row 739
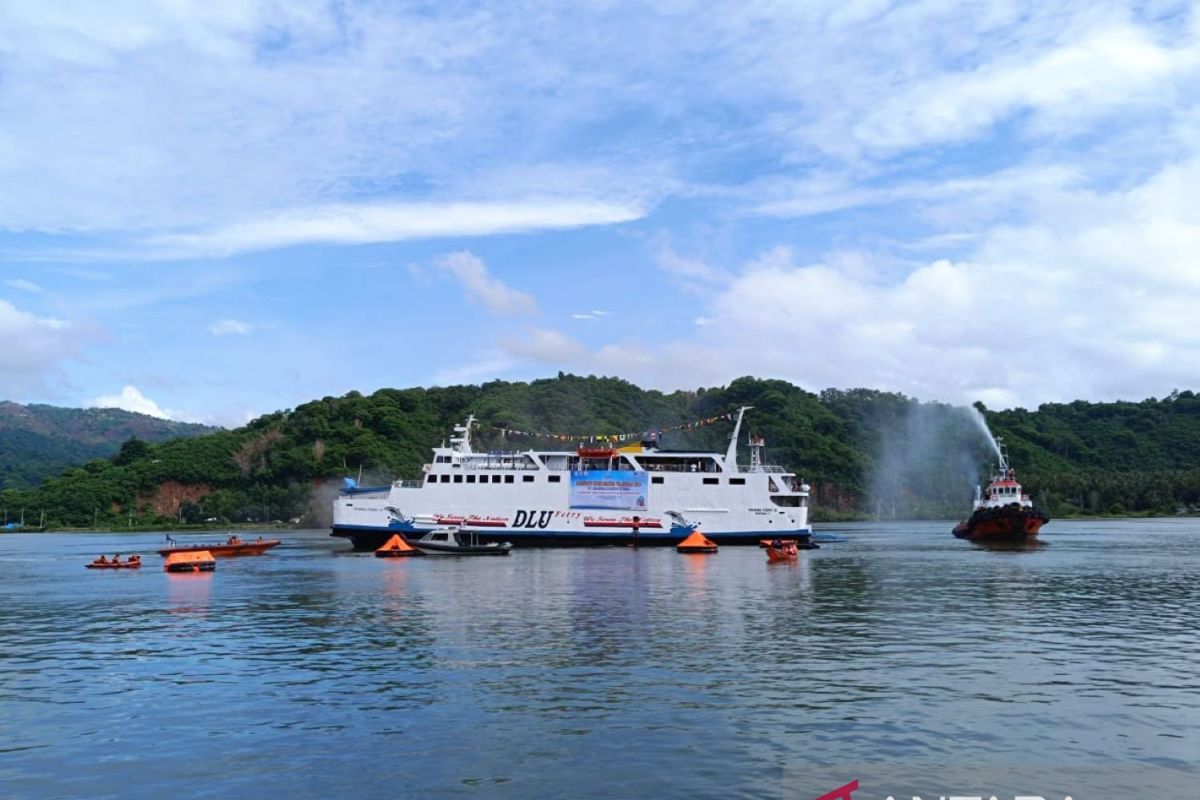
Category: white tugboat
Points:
column 589, row 496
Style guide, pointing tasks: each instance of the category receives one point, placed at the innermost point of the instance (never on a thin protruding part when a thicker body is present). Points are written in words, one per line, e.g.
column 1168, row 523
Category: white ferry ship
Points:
column 590, row 496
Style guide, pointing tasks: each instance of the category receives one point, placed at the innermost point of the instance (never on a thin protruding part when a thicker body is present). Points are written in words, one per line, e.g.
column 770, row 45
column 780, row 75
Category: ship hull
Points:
column 1002, row 525
column 589, row 497
column 370, row 538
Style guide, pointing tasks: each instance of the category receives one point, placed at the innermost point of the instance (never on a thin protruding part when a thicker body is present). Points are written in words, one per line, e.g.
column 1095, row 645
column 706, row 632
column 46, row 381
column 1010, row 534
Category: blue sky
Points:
column 220, row 209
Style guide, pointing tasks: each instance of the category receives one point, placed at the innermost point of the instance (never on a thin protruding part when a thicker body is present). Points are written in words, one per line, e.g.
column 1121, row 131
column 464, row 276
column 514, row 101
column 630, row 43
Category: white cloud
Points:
column 280, row 124
column 1075, row 81
column 227, row 327
column 24, row 285
column 482, row 287
column 483, row 368
column 928, row 163
column 289, row 123
column 546, row 346
column 594, row 314
column 130, row 398
column 689, row 269
column 34, row 350
column 975, row 197
column 367, row 223
column 1088, row 298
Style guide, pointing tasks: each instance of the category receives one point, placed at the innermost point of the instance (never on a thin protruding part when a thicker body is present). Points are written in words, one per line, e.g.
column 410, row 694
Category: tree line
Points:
column 864, row 451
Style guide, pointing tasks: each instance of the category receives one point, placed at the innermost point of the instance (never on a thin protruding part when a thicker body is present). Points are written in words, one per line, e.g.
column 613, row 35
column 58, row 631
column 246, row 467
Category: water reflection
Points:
column 1024, row 546
column 695, row 565
column 189, row 592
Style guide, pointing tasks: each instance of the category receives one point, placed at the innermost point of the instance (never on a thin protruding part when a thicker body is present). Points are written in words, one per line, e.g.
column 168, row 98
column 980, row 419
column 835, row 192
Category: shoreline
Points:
column 241, row 526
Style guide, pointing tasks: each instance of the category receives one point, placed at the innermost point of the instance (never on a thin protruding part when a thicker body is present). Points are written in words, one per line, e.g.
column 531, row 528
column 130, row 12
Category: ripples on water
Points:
column 312, row 672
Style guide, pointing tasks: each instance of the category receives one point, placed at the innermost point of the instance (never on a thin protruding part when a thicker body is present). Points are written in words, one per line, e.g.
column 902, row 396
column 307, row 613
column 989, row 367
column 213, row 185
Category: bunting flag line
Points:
column 650, row 434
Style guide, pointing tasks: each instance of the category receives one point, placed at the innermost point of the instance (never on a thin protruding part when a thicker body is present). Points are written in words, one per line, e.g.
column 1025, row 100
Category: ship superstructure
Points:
column 594, row 495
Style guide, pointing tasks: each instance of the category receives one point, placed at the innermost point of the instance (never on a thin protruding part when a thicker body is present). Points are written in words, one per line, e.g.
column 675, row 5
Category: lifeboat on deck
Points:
column 190, row 561
column 697, row 542
column 396, row 547
column 597, row 452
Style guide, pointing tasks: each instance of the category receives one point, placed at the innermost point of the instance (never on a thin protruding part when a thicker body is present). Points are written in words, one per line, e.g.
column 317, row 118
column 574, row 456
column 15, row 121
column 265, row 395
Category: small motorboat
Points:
column 133, row 562
column 454, row 542
column 397, row 547
column 804, row 542
column 233, row 546
column 780, row 550
column 190, row 561
column 697, row 542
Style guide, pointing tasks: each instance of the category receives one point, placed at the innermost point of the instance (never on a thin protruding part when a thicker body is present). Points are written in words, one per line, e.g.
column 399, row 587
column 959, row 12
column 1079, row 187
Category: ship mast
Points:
column 461, row 442
column 731, row 453
column 756, row 452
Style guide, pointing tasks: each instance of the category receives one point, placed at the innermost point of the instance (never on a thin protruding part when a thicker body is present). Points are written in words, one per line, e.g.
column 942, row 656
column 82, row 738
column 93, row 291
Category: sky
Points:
column 218, row 209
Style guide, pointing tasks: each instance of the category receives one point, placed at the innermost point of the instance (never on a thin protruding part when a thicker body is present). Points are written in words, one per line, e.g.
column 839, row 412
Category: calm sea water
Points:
column 314, row 672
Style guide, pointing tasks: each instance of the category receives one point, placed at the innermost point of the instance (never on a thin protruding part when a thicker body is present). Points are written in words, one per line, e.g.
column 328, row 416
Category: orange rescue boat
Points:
column 233, row 546
column 133, row 562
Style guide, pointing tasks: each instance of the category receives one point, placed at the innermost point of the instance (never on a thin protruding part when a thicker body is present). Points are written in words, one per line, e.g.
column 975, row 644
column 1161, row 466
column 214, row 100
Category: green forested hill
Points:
column 864, row 451
column 1109, row 457
column 37, row 441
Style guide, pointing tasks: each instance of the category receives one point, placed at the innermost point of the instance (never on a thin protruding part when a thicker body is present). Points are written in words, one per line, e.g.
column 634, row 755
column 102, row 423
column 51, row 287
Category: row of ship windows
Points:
column 549, row 479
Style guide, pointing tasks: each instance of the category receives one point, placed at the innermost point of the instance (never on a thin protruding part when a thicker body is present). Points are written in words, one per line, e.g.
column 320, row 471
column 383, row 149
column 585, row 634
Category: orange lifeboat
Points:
column 190, row 561
column 697, row 542
column 396, row 547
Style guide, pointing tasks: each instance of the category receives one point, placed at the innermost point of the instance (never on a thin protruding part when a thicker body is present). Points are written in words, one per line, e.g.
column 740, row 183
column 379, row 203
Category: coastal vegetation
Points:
column 38, row 441
column 865, row 452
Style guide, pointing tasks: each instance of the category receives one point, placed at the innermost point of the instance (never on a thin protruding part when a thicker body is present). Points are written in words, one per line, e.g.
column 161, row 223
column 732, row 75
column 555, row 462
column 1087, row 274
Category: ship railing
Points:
column 408, row 484
column 709, row 470
column 497, row 466
column 765, row 468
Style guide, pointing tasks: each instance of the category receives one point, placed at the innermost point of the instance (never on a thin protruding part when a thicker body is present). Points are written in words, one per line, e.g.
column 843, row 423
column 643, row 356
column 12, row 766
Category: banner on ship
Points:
column 604, row 488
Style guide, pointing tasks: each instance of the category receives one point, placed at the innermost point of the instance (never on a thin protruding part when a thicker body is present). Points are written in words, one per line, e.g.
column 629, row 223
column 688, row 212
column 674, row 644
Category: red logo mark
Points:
column 841, row 793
